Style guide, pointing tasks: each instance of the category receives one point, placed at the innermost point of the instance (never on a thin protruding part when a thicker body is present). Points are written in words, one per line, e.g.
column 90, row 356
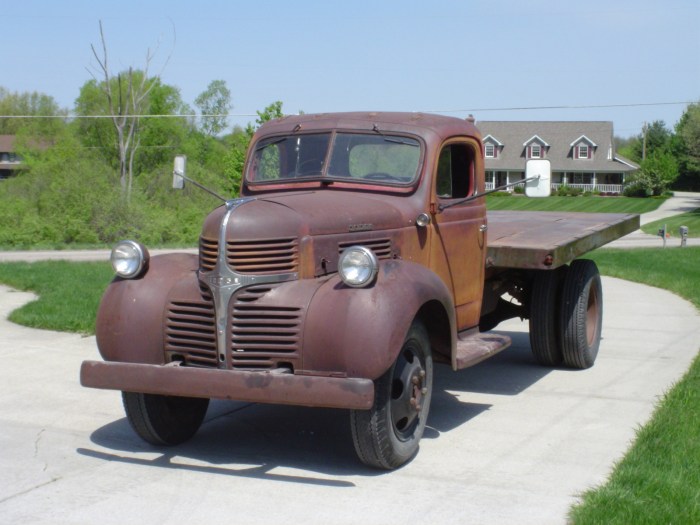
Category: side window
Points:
column 455, row 171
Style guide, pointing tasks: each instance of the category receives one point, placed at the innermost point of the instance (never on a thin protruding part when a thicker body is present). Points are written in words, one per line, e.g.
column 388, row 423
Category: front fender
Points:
column 130, row 317
column 362, row 330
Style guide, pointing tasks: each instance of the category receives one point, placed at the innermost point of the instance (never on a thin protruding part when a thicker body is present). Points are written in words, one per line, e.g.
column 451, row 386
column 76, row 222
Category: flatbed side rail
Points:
column 546, row 240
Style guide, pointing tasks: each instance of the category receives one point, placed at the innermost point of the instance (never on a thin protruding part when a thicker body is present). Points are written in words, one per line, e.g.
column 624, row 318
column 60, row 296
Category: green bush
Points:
column 49, row 205
column 636, row 189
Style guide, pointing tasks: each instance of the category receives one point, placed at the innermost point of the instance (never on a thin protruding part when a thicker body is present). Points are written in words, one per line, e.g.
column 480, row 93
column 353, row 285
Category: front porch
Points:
column 598, row 182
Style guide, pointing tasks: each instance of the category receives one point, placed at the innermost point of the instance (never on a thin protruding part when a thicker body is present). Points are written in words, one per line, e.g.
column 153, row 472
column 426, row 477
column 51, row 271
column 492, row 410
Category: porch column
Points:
column 594, row 179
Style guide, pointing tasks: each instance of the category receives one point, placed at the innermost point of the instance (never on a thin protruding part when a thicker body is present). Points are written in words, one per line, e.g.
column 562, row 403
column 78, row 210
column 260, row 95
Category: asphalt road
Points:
column 508, row 441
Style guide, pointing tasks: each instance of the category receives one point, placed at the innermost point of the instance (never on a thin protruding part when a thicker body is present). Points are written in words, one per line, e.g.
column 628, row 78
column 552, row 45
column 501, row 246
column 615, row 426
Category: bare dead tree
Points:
column 125, row 106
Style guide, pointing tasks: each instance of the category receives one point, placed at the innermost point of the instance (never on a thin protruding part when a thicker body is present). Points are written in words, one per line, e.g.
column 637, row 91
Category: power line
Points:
column 468, row 110
column 529, row 108
column 131, row 116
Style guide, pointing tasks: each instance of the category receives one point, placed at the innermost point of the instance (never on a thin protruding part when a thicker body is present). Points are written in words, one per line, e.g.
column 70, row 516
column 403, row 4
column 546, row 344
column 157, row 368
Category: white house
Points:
column 582, row 154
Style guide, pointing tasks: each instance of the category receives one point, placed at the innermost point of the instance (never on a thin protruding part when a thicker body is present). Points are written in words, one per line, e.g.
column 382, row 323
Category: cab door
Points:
column 458, row 240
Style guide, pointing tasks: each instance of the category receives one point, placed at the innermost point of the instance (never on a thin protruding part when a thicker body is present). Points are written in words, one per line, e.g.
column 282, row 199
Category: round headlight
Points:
column 129, row 259
column 358, row 266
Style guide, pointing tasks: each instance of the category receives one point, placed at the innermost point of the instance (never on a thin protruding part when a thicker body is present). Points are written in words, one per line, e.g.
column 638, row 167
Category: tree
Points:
column 687, row 147
column 214, row 105
column 126, row 96
column 30, row 104
column 654, row 137
column 656, row 174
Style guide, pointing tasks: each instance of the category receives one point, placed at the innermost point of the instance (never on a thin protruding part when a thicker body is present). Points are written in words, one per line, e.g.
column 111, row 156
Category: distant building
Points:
column 10, row 161
column 582, row 154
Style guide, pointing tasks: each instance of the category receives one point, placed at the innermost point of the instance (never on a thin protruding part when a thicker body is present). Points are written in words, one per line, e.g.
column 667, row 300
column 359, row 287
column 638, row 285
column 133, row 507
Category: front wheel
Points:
column 387, row 435
column 164, row 420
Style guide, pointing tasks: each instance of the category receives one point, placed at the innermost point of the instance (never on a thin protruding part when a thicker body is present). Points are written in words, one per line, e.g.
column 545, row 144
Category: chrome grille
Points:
column 263, row 336
column 260, row 256
column 380, row 247
column 208, row 249
column 190, row 333
column 266, row 256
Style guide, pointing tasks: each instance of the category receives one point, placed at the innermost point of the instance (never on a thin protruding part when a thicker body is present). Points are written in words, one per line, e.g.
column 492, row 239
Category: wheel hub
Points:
column 408, row 390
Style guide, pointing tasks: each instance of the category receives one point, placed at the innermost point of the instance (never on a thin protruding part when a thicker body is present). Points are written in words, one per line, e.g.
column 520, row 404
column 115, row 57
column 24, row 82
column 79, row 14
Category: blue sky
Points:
column 407, row 55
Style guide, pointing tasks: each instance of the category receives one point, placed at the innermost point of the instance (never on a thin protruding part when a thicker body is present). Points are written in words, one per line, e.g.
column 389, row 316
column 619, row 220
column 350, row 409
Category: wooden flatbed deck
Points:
column 547, row 240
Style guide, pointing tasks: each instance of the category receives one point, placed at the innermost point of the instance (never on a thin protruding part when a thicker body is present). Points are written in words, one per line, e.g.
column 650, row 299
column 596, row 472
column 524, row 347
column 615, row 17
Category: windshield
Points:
column 350, row 157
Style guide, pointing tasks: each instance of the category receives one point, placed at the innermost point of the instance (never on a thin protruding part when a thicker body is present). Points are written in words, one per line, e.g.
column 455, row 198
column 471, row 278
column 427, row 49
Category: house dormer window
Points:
column 491, row 147
column 535, row 148
column 583, row 148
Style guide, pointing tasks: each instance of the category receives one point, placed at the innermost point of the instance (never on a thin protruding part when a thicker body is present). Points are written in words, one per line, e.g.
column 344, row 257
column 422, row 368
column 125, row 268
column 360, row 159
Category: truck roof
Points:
column 426, row 125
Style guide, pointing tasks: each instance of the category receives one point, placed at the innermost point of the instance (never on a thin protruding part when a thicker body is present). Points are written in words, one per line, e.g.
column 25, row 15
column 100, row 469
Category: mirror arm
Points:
column 487, row 192
column 202, row 187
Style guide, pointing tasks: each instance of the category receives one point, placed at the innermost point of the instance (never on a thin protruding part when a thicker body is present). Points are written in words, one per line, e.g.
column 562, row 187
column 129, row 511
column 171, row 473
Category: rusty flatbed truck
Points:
column 358, row 254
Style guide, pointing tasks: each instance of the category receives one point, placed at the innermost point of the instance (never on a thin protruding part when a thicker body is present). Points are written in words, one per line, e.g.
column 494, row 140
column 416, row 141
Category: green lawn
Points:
column 590, row 204
column 690, row 219
column 658, row 480
column 69, row 293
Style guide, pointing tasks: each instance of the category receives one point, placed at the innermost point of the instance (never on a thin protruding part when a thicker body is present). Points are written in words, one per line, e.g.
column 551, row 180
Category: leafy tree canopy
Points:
column 157, row 138
column 32, row 104
column 215, row 103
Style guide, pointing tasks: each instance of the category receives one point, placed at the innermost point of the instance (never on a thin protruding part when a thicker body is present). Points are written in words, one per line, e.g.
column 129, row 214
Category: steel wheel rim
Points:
column 408, row 388
column 592, row 315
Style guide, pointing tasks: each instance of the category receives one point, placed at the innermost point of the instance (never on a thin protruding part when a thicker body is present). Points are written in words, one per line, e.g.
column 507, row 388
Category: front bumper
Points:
column 257, row 387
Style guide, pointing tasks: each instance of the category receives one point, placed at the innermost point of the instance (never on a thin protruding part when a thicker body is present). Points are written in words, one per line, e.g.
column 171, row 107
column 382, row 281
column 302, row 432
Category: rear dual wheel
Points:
column 566, row 313
column 387, row 435
column 582, row 314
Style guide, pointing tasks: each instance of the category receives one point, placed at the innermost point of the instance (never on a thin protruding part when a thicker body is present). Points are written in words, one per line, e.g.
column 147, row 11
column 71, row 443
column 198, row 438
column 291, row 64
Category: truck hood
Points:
column 309, row 213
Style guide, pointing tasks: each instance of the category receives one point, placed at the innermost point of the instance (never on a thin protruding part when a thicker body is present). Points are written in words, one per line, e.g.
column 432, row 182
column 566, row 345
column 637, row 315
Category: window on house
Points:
column 535, row 151
column 583, row 151
column 490, row 151
column 582, row 178
column 455, row 171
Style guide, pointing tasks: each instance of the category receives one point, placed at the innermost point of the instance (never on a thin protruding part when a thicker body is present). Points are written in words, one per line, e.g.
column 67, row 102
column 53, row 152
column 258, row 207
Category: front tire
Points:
column 164, row 420
column 388, row 435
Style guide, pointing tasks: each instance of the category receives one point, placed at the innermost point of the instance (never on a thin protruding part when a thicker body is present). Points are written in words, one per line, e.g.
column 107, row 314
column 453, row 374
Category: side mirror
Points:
column 179, row 172
column 540, row 171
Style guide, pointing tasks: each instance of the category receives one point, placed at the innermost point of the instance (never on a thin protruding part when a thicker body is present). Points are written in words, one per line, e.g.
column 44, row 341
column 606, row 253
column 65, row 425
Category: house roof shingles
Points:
column 559, row 136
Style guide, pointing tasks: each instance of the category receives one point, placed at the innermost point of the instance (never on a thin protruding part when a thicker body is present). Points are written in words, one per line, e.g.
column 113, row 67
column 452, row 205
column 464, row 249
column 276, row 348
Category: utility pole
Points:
column 644, row 141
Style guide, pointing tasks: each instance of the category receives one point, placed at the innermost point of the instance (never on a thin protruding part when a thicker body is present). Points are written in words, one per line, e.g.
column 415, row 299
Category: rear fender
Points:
column 361, row 330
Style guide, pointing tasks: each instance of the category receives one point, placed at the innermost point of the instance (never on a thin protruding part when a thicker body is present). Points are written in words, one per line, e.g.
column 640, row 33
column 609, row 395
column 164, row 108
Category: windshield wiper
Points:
column 263, row 146
column 395, row 140
column 399, row 141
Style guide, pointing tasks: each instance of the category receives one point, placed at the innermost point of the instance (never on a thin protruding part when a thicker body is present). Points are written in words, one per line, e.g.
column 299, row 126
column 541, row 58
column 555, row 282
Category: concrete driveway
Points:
column 509, row 441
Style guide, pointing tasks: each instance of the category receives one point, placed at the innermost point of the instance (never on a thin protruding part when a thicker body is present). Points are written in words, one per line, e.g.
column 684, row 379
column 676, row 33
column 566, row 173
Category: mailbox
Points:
column 683, row 230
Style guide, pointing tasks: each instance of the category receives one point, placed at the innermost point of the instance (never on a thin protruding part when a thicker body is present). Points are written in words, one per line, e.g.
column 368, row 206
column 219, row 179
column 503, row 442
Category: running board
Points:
column 473, row 347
